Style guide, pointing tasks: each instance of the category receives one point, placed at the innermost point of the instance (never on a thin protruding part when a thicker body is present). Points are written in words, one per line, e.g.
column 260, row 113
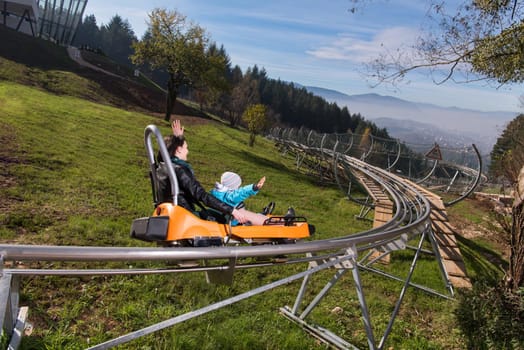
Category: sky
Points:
column 318, row 43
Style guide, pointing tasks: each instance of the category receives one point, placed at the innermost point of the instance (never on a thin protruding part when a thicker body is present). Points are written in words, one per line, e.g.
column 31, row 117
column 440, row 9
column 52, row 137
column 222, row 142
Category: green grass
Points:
column 474, row 214
column 74, row 172
column 80, row 178
column 484, row 261
column 39, row 63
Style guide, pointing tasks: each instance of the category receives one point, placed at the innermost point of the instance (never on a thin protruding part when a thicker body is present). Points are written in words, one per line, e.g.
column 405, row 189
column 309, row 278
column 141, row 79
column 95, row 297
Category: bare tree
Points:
column 244, row 94
column 482, row 40
column 508, row 161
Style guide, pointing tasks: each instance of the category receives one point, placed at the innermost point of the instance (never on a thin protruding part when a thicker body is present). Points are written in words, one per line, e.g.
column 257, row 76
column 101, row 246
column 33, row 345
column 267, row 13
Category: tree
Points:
column 508, row 161
column 244, row 94
column 482, row 39
column 117, row 38
column 213, row 82
column 87, row 33
column 224, row 101
column 176, row 45
column 256, row 119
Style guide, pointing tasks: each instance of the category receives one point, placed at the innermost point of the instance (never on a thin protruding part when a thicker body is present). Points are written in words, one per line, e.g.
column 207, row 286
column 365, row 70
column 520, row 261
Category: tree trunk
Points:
column 252, row 137
column 515, row 278
column 230, row 117
column 233, row 119
column 172, row 92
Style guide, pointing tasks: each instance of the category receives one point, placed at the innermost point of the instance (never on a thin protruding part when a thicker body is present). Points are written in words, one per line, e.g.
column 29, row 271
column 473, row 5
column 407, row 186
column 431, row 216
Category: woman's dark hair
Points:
column 172, row 143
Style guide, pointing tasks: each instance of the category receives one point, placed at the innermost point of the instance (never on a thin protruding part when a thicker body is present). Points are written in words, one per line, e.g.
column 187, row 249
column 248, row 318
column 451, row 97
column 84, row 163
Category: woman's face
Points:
column 182, row 151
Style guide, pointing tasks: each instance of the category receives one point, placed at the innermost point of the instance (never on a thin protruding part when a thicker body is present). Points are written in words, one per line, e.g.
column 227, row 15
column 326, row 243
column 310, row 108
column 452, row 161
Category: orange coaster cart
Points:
column 173, row 225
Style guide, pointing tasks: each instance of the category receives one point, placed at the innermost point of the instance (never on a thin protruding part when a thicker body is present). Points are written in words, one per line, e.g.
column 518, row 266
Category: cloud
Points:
column 349, row 47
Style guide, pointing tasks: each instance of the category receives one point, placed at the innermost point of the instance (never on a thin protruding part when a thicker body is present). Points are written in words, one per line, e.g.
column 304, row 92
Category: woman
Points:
column 190, row 190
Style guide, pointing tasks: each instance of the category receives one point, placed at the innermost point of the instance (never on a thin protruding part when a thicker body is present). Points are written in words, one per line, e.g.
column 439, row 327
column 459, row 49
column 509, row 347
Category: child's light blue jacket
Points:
column 233, row 197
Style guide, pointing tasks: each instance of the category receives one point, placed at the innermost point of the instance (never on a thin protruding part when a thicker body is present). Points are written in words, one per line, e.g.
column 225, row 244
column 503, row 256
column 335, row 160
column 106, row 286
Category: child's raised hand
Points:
column 261, row 182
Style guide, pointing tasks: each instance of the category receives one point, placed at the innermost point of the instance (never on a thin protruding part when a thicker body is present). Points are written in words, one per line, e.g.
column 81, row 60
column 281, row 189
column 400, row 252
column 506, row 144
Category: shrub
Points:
column 491, row 317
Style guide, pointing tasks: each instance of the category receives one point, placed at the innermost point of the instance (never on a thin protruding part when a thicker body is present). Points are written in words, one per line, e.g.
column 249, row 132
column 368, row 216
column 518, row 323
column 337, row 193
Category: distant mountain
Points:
column 423, row 133
column 450, row 125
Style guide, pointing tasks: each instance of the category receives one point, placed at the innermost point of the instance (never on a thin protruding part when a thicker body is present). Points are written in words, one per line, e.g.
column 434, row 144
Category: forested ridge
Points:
column 228, row 91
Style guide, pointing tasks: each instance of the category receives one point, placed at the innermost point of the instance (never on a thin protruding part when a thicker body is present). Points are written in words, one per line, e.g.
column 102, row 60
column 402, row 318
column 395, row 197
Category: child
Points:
column 228, row 190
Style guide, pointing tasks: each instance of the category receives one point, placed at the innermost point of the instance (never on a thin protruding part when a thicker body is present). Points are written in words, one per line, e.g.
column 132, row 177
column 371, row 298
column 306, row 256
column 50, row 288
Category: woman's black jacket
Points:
column 191, row 192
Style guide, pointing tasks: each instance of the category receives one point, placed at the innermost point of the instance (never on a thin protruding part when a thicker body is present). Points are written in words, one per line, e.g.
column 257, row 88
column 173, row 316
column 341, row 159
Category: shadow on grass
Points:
column 32, row 342
column 483, row 264
column 41, row 63
column 274, row 164
column 33, row 52
column 264, row 162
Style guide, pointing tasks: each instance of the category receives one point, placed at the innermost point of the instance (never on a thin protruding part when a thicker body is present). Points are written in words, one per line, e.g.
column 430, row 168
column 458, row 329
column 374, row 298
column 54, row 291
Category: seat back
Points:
column 161, row 184
column 164, row 183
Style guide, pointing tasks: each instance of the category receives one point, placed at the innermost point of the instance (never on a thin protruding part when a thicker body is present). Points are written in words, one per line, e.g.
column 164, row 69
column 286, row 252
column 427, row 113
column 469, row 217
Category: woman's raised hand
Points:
column 178, row 129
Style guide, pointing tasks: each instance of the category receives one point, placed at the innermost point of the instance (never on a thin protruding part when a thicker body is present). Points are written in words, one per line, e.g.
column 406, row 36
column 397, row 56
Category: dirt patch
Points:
column 489, row 230
column 122, row 93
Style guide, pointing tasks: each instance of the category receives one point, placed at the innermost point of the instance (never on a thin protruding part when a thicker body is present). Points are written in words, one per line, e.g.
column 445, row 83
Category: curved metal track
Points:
column 453, row 173
column 410, row 220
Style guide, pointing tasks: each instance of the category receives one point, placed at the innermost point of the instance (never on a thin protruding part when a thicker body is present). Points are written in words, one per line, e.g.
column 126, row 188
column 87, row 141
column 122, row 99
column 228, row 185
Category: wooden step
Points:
column 446, row 240
column 460, row 282
column 455, row 268
column 450, row 253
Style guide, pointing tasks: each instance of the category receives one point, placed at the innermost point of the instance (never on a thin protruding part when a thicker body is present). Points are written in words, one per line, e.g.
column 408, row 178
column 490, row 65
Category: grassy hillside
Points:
column 39, row 63
column 74, row 172
column 76, row 175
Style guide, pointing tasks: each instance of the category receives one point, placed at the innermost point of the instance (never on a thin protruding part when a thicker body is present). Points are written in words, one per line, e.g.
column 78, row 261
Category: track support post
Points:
column 343, row 263
column 12, row 317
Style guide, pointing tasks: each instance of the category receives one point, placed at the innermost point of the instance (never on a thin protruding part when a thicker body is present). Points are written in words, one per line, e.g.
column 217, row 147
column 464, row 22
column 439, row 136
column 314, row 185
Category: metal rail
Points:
column 410, row 220
column 463, row 180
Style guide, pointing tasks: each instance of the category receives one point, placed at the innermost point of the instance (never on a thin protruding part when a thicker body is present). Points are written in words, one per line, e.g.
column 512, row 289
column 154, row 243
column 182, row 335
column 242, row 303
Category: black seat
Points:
column 160, row 184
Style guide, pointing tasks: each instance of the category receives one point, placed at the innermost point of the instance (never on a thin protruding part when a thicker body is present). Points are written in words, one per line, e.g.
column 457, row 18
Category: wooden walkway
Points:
column 443, row 230
column 446, row 241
